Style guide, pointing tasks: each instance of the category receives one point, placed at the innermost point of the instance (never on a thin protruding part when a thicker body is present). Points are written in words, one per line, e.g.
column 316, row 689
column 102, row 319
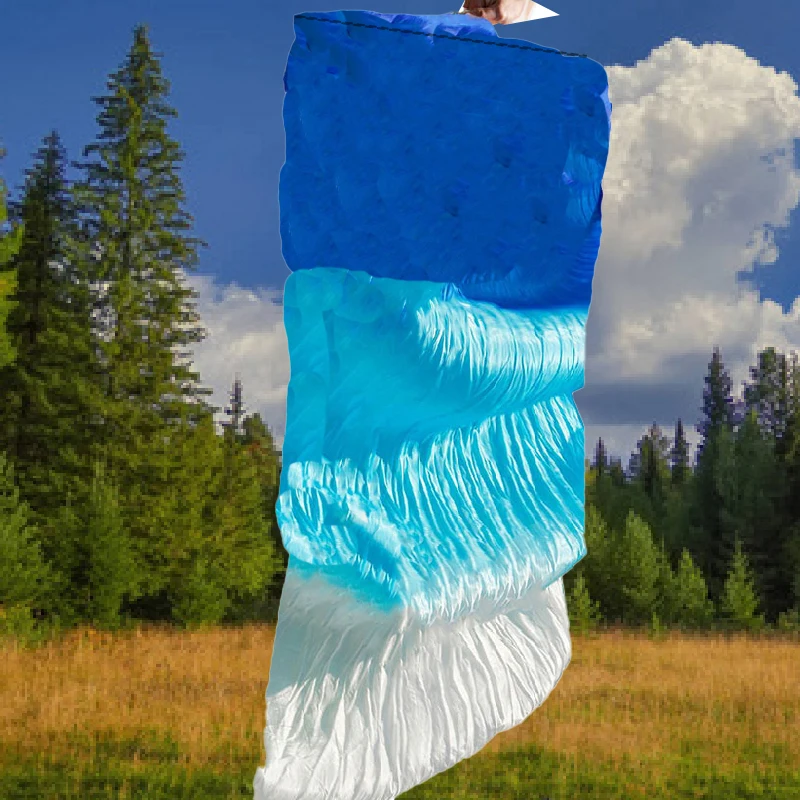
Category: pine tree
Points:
column 200, row 599
column 758, row 509
column 584, row 613
column 663, row 608
column 111, row 568
column 251, row 470
column 236, row 410
column 739, row 601
column 767, row 394
column 691, row 606
column 679, row 456
column 600, row 458
column 134, row 237
column 185, row 462
column 650, row 473
column 791, row 555
column 712, row 537
column 609, row 492
column 218, row 557
column 45, row 395
column 616, row 473
column 638, row 571
column 23, row 572
column 596, row 567
column 244, row 549
column 718, row 405
column 233, row 428
column 131, row 200
column 260, row 445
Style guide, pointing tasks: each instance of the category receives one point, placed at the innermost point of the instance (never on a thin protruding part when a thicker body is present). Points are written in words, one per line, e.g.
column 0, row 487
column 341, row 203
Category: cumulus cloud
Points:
column 701, row 168
column 245, row 335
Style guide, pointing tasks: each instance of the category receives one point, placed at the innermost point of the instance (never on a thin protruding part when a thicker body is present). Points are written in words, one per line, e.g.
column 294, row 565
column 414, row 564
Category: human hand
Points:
column 506, row 12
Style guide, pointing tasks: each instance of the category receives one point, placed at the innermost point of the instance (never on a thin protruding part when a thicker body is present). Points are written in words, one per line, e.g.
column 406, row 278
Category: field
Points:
column 162, row 714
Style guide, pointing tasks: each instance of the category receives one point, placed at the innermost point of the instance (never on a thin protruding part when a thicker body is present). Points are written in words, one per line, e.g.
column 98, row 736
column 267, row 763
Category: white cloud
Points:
column 701, row 162
column 246, row 336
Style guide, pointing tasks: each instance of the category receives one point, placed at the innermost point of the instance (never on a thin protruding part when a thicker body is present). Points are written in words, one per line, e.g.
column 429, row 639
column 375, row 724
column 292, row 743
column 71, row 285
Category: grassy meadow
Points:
column 158, row 713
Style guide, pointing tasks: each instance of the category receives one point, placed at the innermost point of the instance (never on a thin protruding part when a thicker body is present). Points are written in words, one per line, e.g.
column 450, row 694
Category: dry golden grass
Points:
column 655, row 699
column 622, row 694
column 204, row 689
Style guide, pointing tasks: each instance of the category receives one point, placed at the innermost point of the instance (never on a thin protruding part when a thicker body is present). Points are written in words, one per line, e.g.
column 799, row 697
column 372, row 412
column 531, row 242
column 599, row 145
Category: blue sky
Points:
column 226, row 62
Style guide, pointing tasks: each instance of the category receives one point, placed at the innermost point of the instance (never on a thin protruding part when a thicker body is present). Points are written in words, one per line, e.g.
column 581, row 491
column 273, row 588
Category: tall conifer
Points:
column 131, row 201
column 46, row 395
column 135, row 236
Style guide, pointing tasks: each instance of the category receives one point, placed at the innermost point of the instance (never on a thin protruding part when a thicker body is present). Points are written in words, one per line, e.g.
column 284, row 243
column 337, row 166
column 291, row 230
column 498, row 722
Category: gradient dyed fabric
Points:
column 440, row 212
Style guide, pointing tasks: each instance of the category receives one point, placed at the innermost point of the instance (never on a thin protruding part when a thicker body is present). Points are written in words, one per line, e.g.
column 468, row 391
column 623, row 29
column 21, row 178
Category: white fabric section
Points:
column 364, row 706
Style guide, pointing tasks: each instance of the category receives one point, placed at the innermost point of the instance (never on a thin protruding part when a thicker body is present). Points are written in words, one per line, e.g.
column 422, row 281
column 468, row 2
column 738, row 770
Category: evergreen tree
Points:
column 624, row 570
column 236, row 410
column 216, row 558
column 111, row 568
column 711, row 537
column 9, row 245
column 232, row 430
column 134, row 237
column 23, row 571
column 639, row 571
column 597, row 566
column 767, row 395
column 791, row 556
column 676, row 523
column 719, row 548
column 600, row 458
column 757, row 508
column 200, row 599
column 679, row 456
column 675, row 520
column 130, row 200
column 584, row 613
column 616, row 473
column 739, row 601
column 718, row 404
column 260, row 445
column 241, row 530
column 45, row 395
column 611, row 493
column 663, row 608
column 64, row 599
column 689, row 601
column 252, row 463
column 650, row 472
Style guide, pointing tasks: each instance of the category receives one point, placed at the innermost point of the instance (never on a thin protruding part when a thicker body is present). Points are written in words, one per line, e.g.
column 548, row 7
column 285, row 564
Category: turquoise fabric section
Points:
column 434, row 454
column 441, row 212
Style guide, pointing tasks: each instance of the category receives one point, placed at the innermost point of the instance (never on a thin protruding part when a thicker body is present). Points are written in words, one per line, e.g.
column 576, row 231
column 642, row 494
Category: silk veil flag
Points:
column 440, row 212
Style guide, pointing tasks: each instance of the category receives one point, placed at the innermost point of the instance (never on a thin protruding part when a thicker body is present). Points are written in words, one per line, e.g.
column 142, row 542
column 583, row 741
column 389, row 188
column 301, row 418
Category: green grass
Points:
column 151, row 768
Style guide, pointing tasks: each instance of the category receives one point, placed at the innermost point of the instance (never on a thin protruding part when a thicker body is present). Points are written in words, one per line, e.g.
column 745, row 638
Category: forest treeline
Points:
column 119, row 501
column 707, row 541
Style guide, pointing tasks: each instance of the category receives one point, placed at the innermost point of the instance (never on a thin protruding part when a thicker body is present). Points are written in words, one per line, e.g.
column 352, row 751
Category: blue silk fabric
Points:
column 441, row 215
